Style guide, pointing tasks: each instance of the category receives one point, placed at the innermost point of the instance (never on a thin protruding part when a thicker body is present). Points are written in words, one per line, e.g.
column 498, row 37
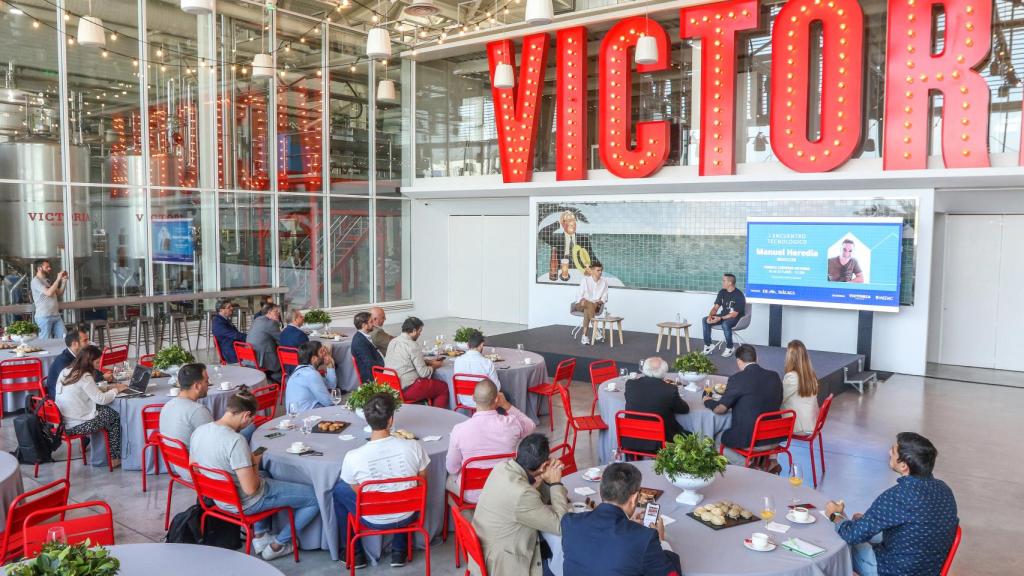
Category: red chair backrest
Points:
column 774, row 427
column 355, row 367
column 114, row 355
column 468, row 541
column 246, row 353
column 822, row 415
column 465, row 385
column 22, row 374
column 602, row 371
column 952, row 552
column 388, row 376
column 266, row 398
column 150, row 419
column 52, row 495
column 473, row 476
column 220, row 355
column 289, row 358
column 147, row 360
column 564, row 371
column 563, row 391
column 375, row 502
column 567, row 457
column 639, row 426
column 174, row 453
column 97, row 528
column 215, row 485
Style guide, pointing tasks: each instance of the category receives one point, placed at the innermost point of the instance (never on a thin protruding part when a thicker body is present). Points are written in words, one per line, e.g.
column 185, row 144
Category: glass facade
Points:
column 180, row 167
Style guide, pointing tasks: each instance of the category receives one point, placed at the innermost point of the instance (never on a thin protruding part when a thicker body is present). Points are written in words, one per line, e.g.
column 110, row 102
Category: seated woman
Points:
column 84, row 406
column 800, row 388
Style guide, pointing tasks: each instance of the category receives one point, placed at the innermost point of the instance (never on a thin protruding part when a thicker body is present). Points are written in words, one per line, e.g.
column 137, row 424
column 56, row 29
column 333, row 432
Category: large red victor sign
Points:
column 636, row 150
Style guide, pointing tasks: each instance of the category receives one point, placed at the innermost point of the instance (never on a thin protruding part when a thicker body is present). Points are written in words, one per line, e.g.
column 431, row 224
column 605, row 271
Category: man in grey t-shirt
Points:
column 183, row 414
column 45, row 295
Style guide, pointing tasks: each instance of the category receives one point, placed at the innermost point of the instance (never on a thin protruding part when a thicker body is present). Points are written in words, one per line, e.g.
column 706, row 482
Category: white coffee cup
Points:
column 286, row 423
column 800, row 514
column 174, row 391
column 527, row 360
column 578, row 507
column 299, row 447
column 225, row 385
column 759, row 540
column 610, row 386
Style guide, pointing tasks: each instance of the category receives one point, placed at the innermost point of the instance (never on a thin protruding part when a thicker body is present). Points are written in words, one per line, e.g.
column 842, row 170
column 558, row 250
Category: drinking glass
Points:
column 618, row 456
column 519, row 347
column 767, row 509
column 640, row 366
column 336, row 396
column 796, row 478
column 57, row 534
column 307, row 426
column 623, row 372
column 293, row 410
column 491, row 350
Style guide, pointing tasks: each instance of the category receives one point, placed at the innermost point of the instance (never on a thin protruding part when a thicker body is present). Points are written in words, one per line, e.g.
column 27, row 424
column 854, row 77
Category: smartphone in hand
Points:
column 651, row 514
column 259, row 451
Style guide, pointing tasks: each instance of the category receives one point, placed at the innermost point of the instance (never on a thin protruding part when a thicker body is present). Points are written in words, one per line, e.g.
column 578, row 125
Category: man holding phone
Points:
column 45, row 294
column 610, row 540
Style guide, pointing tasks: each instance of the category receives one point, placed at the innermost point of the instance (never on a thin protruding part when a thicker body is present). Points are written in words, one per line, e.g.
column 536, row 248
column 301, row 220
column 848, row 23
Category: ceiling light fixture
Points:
column 90, row 31
column 539, row 12
column 504, row 77
column 197, row 7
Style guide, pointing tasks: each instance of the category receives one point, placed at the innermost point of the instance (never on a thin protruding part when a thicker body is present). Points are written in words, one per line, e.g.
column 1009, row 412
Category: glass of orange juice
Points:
column 767, row 510
column 796, row 478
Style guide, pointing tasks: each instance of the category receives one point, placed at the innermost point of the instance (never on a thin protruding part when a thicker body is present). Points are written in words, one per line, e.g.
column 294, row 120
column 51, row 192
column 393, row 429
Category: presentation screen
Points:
column 825, row 262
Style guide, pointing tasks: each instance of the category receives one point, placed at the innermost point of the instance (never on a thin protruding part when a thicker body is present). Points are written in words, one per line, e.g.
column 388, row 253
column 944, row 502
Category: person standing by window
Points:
column 46, row 294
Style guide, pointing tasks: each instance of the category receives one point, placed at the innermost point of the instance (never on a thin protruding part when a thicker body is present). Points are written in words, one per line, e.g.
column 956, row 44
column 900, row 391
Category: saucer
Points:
column 810, row 518
column 592, row 474
column 771, row 546
column 290, row 451
column 578, row 507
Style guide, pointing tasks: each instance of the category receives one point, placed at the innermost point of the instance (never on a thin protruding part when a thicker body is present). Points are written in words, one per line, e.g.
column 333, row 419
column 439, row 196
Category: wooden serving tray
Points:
column 322, row 427
column 729, row 522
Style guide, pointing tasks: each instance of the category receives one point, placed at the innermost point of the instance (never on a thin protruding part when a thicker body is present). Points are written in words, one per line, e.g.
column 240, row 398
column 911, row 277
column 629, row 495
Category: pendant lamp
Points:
column 539, row 12
column 262, row 66
column 504, row 76
column 386, row 91
column 646, row 50
column 91, row 33
column 378, row 44
column 197, row 7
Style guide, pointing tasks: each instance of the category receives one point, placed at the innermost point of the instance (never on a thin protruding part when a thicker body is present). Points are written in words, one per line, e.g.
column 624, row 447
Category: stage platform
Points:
column 555, row 343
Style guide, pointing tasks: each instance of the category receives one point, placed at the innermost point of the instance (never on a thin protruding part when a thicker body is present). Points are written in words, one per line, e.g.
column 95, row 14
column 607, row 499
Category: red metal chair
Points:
column 952, row 550
column 267, row 398
column 809, row 438
column 21, row 375
column 176, row 457
column 601, row 371
column 390, row 377
column 374, row 502
column 98, row 528
column 567, row 456
column 113, row 355
column 246, row 353
column 577, row 423
column 51, row 495
column 217, row 485
column 49, row 413
column 563, row 373
column 355, row 366
column 220, row 355
column 147, row 360
column 150, row 427
column 470, row 478
column 465, row 385
column 289, row 359
column 639, row 426
column 467, row 543
column 770, row 427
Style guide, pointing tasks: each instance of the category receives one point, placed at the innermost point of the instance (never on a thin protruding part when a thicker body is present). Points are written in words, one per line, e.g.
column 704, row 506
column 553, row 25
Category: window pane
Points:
column 300, row 87
column 389, row 128
column 350, row 163
column 110, row 259
column 28, row 103
column 300, row 226
column 177, row 226
column 33, row 228
column 245, row 242
column 393, row 250
column 350, row 251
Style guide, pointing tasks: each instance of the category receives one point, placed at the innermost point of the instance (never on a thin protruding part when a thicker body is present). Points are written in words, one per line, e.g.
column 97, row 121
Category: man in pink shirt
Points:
column 487, row 433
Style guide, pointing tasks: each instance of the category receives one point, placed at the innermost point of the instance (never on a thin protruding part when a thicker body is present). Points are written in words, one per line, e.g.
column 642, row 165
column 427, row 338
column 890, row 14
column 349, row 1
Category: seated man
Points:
column 607, row 540
column 653, row 395
column 730, row 305
column 292, row 336
column 749, row 393
column 264, row 337
column 218, row 445
column 916, row 519
column 485, row 434
column 74, row 341
column 306, row 386
column 591, row 298
column 521, row 498
column 406, row 357
column 225, row 332
column 380, row 338
column 182, row 414
column 363, row 351
column 400, row 457
column 473, row 362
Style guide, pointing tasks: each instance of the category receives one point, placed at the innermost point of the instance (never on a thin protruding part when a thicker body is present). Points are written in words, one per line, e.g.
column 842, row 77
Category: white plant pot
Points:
column 173, row 370
column 23, row 339
column 689, row 485
column 692, row 377
column 462, row 346
column 315, row 327
column 360, row 413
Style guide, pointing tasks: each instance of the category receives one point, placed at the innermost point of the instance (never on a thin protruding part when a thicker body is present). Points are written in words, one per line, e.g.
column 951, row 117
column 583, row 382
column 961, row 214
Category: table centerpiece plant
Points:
column 694, row 366
column 23, row 330
column 690, row 463
column 463, row 334
column 360, row 396
column 58, row 559
column 171, row 358
column 317, row 319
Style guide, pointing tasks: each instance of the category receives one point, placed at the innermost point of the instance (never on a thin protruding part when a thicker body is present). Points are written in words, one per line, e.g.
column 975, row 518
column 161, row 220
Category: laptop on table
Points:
column 139, row 382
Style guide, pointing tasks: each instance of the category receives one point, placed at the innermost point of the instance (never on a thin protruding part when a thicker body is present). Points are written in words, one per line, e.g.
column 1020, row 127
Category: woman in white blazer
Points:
column 800, row 388
column 83, row 405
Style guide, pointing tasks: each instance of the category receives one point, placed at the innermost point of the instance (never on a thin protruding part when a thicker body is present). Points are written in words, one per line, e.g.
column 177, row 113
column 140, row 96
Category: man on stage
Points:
column 590, row 299
column 730, row 306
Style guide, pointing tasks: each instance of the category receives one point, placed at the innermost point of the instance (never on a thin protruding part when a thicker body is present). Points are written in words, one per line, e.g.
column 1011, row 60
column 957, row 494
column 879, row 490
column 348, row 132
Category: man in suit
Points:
column 74, row 341
column 225, row 332
column 365, row 353
column 607, row 541
column 264, row 336
column 564, row 241
column 521, row 497
column 653, row 395
column 749, row 393
column 292, row 335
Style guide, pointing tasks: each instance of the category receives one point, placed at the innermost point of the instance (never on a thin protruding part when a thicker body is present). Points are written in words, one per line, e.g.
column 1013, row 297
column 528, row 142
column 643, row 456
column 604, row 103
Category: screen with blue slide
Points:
column 826, row 262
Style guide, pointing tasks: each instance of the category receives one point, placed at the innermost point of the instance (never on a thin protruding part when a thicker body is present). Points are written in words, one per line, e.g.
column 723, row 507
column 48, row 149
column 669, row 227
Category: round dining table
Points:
column 517, row 372
column 158, row 392
column 699, row 419
column 164, row 559
column 707, row 552
column 340, row 344
column 11, row 485
column 50, row 349
column 323, row 472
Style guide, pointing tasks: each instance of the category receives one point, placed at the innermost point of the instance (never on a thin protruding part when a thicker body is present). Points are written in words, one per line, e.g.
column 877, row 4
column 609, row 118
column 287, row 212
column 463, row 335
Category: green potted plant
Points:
column 58, row 559
column 690, row 463
column 361, row 395
column 317, row 319
column 462, row 336
column 23, row 331
column 694, row 366
column 171, row 358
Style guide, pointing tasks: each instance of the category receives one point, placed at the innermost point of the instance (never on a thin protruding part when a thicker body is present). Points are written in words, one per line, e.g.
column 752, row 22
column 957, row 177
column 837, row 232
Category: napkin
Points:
column 431, row 438
column 585, row 491
column 346, row 437
column 667, row 520
column 777, row 527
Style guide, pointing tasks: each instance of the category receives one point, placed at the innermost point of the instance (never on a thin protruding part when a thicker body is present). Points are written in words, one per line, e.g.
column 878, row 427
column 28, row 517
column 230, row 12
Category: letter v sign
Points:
column 517, row 109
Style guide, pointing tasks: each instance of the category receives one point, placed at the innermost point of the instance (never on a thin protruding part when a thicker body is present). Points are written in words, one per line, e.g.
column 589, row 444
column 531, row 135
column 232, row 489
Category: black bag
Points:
column 185, row 530
column 36, row 441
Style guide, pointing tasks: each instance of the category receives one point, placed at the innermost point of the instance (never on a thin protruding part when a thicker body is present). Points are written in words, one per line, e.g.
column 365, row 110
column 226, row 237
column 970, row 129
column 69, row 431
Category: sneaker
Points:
column 726, row 352
column 269, row 553
column 398, row 558
column 585, row 341
column 260, row 544
column 599, row 337
column 359, row 561
column 708, row 349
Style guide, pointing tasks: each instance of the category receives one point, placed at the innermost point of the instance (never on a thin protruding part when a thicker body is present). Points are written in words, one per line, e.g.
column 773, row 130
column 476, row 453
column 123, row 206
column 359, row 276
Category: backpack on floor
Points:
column 36, row 441
column 185, row 530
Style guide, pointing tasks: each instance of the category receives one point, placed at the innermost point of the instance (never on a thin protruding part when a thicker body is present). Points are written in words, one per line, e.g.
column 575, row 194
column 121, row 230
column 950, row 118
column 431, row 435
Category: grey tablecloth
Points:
column 130, row 410
column 10, row 483
column 341, row 352
column 52, row 348
column 322, row 472
column 700, row 419
column 515, row 376
column 160, row 559
column 707, row 552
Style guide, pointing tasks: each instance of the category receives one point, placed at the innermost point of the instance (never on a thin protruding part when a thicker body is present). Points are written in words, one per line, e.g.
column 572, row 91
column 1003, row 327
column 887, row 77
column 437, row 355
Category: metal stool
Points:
column 242, row 315
column 101, row 328
column 148, row 325
column 175, row 326
column 206, row 318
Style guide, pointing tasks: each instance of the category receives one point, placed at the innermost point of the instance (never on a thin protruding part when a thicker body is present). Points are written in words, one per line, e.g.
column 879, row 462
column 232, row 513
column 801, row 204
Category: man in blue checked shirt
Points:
column 909, row 529
column 307, row 388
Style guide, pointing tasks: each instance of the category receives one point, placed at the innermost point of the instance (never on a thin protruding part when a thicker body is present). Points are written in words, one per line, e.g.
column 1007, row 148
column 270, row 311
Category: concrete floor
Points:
column 976, row 428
